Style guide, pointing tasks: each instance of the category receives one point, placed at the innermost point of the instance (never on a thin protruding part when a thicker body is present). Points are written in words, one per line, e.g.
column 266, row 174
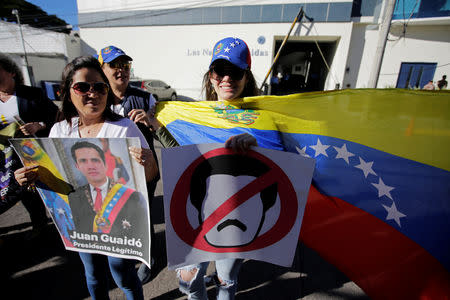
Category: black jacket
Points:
column 136, row 98
column 35, row 107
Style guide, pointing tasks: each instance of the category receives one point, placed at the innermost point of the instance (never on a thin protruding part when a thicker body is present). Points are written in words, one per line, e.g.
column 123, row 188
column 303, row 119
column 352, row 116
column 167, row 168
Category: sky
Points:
column 63, row 9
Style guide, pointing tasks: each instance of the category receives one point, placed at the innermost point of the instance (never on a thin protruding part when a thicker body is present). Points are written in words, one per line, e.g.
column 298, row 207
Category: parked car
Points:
column 159, row 89
column 137, row 83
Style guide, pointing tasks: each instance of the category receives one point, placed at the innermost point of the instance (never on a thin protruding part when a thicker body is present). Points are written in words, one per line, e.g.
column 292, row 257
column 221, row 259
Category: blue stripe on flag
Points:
column 188, row 133
column 410, row 196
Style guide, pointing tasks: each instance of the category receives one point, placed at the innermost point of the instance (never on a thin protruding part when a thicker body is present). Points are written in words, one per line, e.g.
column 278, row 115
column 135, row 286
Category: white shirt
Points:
column 118, row 109
column 111, row 129
column 8, row 110
column 103, row 188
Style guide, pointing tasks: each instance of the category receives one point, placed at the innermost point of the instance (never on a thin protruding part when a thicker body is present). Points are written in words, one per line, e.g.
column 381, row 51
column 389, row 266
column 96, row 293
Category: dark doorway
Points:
column 300, row 67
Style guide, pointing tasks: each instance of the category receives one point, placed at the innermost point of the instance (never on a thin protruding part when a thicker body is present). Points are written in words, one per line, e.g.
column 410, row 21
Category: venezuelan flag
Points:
column 51, row 185
column 379, row 206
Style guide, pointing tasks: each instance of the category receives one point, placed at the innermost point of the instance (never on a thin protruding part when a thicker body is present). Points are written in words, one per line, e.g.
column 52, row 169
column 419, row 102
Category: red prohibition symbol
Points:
column 195, row 236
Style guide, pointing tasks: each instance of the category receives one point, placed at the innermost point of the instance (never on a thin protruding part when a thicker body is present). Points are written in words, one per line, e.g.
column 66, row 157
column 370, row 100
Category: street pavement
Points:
column 38, row 267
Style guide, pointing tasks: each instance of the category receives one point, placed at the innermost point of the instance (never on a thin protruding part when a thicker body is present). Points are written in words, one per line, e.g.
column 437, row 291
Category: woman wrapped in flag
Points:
column 228, row 78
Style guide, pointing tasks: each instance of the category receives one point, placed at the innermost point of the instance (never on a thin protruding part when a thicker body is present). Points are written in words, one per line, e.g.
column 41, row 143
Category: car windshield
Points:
column 135, row 83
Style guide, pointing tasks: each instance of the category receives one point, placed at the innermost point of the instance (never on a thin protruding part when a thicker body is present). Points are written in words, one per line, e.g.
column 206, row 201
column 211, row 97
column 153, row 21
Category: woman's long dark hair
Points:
column 68, row 110
column 250, row 88
column 10, row 66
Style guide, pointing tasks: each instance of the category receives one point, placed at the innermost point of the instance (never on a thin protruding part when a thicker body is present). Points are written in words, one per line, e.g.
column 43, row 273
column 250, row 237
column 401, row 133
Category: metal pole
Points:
column 16, row 13
column 382, row 39
column 297, row 18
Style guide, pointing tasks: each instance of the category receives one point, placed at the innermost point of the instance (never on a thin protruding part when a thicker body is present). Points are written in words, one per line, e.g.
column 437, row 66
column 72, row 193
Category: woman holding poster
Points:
column 229, row 78
column 86, row 113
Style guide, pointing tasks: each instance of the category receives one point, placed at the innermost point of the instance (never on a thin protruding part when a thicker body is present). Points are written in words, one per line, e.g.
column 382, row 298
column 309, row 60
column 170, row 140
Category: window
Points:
column 415, row 75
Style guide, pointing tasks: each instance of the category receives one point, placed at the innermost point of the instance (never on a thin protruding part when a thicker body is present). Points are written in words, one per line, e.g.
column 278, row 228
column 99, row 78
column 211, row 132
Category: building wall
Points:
column 47, row 51
column 47, row 68
column 170, row 48
column 179, row 55
column 421, row 44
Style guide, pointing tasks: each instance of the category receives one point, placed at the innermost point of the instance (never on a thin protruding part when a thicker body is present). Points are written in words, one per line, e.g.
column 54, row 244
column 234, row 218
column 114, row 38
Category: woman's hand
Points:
column 26, row 175
column 146, row 118
column 241, row 142
column 145, row 158
column 31, row 128
column 140, row 116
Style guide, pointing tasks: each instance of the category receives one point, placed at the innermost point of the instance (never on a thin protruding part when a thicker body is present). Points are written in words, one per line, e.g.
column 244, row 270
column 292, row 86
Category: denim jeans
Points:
column 227, row 270
column 122, row 270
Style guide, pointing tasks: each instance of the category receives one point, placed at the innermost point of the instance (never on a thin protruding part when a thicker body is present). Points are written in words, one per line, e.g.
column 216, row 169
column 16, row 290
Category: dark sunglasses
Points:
column 82, row 88
column 120, row 65
column 223, row 70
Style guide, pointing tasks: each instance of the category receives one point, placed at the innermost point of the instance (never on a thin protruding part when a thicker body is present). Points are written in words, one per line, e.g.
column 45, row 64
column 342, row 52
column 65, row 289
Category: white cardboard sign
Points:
column 223, row 204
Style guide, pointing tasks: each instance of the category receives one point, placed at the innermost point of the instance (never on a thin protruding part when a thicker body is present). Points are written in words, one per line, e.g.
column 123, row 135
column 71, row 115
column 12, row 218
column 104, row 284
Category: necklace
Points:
column 89, row 131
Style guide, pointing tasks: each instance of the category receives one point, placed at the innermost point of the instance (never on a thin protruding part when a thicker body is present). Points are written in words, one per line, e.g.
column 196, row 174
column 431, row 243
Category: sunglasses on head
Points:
column 223, row 70
column 82, row 88
column 120, row 65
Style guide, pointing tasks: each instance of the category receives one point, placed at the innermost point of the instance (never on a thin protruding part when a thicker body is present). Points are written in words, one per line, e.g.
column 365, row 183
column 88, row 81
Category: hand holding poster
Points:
column 97, row 205
column 222, row 204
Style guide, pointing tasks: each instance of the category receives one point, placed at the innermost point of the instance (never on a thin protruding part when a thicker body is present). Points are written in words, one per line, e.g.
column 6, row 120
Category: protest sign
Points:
column 8, row 164
column 222, row 204
column 95, row 193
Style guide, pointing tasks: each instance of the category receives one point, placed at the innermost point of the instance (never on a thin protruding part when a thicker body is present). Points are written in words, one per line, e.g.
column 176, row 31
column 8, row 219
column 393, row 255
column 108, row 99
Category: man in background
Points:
column 135, row 104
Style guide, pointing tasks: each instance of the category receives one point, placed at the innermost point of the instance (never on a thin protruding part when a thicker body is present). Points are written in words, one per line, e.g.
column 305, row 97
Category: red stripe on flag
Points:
column 67, row 242
column 381, row 260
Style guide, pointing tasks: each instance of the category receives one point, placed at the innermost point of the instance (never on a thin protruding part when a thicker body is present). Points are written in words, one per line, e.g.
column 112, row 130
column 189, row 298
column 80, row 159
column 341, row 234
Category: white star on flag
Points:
column 237, row 42
column 226, row 50
column 320, row 149
column 343, row 153
column 302, row 151
column 232, row 45
column 393, row 213
column 366, row 167
column 383, row 189
column 126, row 224
column 60, row 211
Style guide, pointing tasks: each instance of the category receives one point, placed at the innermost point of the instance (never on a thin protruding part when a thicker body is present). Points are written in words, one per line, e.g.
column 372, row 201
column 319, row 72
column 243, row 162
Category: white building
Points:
column 47, row 51
column 172, row 40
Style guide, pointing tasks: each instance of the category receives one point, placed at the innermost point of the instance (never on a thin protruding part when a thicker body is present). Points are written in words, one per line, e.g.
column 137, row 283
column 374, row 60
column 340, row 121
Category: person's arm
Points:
column 32, row 128
column 144, row 116
column 165, row 138
column 26, row 176
column 143, row 155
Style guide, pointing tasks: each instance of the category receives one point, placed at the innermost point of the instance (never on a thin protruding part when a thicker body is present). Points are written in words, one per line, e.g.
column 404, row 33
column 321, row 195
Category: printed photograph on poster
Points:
column 94, row 191
column 223, row 204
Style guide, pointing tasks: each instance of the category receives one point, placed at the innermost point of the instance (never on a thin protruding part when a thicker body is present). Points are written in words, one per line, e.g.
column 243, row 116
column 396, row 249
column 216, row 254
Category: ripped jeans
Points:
column 227, row 270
